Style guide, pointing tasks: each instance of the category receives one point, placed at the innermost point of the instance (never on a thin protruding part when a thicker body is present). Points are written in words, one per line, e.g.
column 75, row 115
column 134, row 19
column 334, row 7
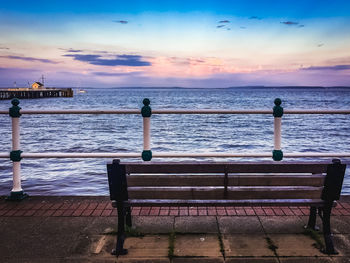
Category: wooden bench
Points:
column 316, row 185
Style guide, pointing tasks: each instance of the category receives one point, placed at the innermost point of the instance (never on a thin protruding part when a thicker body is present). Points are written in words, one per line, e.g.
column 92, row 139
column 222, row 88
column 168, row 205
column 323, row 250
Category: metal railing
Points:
column 277, row 155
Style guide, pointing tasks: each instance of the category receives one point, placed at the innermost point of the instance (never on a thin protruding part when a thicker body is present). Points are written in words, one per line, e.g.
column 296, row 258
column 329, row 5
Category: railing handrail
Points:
column 29, row 155
column 181, row 111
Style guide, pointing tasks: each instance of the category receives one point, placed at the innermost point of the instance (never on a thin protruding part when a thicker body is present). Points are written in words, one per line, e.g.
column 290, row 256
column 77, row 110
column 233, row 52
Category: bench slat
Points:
column 205, row 167
column 237, row 193
column 250, row 202
column 276, row 180
column 218, row 180
column 175, row 180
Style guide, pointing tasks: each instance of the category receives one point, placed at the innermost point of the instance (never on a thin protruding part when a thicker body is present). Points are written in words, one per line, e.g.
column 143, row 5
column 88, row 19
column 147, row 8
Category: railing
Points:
column 277, row 155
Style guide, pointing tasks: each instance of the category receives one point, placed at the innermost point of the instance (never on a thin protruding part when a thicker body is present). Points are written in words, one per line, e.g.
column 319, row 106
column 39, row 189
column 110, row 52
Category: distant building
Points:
column 37, row 85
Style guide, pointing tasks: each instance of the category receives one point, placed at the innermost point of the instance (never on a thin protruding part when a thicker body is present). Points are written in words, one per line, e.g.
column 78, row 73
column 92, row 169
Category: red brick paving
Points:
column 164, row 212
column 58, row 213
column 174, row 212
column 202, row 212
column 183, row 212
column 193, row 211
column 68, row 212
column 77, row 212
column 154, row 211
column 240, row 212
column 259, row 211
column 99, row 206
column 231, row 211
column 249, row 211
column 106, row 212
column 97, row 212
column 220, row 211
column 278, row 211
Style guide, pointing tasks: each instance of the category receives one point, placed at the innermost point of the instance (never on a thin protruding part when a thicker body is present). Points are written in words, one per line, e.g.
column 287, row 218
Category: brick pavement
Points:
column 97, row 206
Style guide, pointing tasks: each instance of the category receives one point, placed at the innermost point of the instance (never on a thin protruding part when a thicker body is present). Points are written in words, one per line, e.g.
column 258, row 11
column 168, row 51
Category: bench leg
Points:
column 128, row 216
column 326, row 220
column 120, row 250
column 311, row 224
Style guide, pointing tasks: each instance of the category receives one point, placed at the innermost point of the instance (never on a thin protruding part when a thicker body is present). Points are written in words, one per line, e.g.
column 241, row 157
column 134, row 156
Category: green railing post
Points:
column 146, row 113
column 277, row 154
column 15, row 155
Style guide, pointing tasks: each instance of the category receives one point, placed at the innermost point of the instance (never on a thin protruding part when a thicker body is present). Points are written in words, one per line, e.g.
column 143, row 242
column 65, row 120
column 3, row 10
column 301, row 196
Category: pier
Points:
column 28, row 93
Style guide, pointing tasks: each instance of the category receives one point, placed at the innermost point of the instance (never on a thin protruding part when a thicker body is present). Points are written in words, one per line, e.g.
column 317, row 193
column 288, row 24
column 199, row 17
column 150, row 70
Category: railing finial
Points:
column 146, row 110
column 14, row 111
column 277, row 109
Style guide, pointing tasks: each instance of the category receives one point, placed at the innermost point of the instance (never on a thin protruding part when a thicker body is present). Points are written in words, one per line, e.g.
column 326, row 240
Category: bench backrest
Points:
column 225, row 181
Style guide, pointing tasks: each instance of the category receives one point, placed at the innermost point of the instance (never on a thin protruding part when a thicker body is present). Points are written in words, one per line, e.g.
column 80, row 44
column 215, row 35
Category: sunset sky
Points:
column 175, row 43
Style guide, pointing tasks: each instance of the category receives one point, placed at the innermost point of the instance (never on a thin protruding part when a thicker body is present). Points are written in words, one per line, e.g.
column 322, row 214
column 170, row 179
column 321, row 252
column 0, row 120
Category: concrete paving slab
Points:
column 340, row 260
column 306, row 260
column 340, row 224
column 243, row 245
column 140, row 260
column 100, row 251
column 202, row 245
column 290, row 224
column 342, row 244
column 197, row 259
column 251, row 260
column 196, row 224
column 240, row 224
column 149, row 246
column 295, row 245
column 153, row 224
column 101, row 245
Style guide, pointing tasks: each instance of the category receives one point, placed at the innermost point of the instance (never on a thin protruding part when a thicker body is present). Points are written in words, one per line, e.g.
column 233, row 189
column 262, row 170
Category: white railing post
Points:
column 146, row 112
column 277, row 154
column 15, row 155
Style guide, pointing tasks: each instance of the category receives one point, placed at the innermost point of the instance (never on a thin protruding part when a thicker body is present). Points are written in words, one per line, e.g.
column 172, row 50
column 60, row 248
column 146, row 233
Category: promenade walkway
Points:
column 82, row 229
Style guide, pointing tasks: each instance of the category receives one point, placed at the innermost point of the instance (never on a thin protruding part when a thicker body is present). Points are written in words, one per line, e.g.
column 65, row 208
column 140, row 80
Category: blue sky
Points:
column 175, row 43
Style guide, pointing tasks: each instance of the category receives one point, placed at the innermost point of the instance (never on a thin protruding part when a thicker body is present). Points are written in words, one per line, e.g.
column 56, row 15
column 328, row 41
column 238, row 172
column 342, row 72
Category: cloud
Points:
column 30, row 59
column 121, row 21
column 291, row 23
column 4, row 48
column 119, row 60
column 242, row 27
column 220, row 26
column 74, row 50
column 116, row 74
column 336, row 67
column 320, row 45
column 255, row 17
column 224, row 21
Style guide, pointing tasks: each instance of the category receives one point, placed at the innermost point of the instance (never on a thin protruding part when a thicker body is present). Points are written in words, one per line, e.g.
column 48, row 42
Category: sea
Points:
column 170, row 133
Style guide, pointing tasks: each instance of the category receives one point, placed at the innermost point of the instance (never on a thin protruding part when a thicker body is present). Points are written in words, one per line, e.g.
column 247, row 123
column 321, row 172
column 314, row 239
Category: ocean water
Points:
column 176, row 133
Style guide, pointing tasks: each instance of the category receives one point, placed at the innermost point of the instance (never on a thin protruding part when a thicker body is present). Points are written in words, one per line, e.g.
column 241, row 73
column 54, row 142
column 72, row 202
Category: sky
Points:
column 210, row 44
